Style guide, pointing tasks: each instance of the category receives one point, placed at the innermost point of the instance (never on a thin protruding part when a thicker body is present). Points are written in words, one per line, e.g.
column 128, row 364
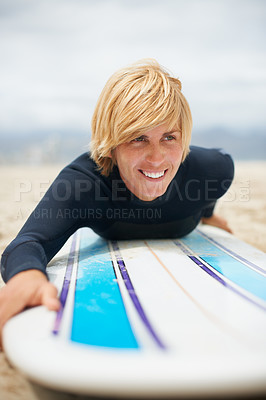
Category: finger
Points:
column 229, row 229
column 49, row 297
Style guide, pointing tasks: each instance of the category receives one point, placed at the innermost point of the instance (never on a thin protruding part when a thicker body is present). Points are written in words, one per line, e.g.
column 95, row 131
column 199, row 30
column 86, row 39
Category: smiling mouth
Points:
column 153, row 175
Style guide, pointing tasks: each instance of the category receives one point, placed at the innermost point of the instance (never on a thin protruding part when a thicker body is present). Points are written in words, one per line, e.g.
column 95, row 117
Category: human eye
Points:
column 170, row 137
column 138, row 139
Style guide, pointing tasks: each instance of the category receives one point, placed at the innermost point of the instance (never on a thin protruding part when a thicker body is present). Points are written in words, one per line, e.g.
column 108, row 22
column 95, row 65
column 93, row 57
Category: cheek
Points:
column 131, row 160
column 176, row 156
column 126, row 163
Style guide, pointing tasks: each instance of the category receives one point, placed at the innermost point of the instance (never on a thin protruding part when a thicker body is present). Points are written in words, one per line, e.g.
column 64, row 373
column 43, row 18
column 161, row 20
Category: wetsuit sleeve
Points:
column 48, row 227
column 220, row 174
column 208, row 211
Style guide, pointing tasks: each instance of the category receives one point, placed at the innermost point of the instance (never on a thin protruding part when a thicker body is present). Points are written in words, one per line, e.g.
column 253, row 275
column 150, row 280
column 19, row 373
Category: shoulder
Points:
column 209, row 163
column 85, row 164
column 77, row 183
column 82, row 167
column 80, row 176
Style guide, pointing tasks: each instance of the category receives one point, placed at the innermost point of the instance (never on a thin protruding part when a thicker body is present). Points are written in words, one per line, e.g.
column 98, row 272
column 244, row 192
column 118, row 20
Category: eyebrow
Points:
column 164, row 134
column 169, row 133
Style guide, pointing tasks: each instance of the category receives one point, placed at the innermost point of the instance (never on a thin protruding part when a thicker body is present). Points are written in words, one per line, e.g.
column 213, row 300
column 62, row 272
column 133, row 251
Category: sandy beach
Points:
column 244, row 206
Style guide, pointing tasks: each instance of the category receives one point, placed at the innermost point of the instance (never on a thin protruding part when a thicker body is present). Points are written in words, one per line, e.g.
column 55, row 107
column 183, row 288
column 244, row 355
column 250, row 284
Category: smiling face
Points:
column 149, row 163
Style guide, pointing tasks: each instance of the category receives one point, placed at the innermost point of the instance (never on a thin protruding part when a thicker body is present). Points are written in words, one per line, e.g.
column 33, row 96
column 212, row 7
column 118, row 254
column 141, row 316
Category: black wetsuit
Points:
column 80, row 196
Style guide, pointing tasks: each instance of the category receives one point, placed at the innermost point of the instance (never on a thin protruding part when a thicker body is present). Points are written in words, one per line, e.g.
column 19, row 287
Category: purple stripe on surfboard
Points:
column 133, row 295
column 232, row 253
column 197, row 260
column 66, row 283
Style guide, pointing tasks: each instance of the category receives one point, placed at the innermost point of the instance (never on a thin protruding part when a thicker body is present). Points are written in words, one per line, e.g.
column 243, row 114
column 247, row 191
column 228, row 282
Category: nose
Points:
column 155, row 154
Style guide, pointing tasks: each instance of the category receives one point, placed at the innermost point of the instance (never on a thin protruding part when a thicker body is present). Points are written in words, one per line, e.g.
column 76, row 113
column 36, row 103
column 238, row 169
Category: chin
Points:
column 152, row 196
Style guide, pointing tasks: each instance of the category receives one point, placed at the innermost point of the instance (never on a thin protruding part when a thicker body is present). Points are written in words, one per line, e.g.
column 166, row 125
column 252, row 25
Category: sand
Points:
column 244, row 206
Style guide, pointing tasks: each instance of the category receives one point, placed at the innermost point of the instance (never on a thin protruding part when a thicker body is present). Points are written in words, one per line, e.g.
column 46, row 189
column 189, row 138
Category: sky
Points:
column 56, row 56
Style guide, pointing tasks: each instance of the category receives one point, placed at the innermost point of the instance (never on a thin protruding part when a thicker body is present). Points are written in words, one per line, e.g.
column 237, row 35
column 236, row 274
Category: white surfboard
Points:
column 150, row 318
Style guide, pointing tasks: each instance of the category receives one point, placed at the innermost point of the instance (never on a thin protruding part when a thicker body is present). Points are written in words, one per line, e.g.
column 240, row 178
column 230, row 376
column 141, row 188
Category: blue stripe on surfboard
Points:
column 204, row 267
column 238, row 256
column 65, row 287
column 99, row 317
column 232, row 269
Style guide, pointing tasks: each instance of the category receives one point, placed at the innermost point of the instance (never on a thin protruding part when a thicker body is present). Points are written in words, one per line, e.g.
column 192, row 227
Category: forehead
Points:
column 161, row 130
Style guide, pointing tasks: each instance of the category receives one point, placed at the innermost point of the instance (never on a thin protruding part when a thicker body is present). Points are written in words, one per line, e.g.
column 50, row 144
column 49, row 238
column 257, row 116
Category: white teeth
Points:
column 153, row 174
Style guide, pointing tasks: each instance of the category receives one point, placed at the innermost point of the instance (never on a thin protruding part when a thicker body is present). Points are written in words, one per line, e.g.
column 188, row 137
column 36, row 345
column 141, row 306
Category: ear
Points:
column 111, row 154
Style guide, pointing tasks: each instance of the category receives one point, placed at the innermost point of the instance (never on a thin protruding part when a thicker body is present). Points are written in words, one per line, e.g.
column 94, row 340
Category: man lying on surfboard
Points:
column 139, row 180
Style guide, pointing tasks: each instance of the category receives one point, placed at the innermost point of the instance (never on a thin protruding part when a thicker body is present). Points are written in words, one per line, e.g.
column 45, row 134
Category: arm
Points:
column 218, row 169
column 47, row 229
column 24, row 261
column 209, row 218
column 216, row 220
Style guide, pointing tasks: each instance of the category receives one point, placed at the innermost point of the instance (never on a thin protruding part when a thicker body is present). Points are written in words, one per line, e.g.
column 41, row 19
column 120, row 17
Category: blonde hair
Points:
column 134, row 100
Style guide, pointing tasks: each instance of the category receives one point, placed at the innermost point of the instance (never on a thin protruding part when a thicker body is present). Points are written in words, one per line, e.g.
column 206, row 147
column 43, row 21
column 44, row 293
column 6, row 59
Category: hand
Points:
column 217, row 221
column 27, row 288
